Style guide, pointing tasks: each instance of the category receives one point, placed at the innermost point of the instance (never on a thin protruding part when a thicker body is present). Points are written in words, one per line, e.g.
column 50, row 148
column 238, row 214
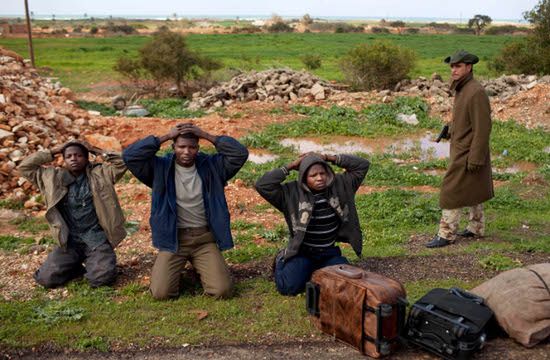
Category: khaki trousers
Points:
column 450, row 218
column 207, row 260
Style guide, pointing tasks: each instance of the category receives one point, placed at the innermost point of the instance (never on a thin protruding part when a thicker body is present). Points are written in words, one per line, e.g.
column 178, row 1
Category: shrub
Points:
column 379, row 65
column 397, row 23
column 128, row 67
column 94, row 30
column 311, row 61
column 279, row 27
column 505, row 30
column 125, row 29
column 412, row 30
column 77, row 29
column 523, row 57
column 348, row 28
column 462, row 30
column 379, row 30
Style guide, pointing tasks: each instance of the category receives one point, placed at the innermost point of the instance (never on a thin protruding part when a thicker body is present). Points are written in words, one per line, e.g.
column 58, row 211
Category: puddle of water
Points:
column 342, row 144
column 261, row 158
column 428, row 148
column 349, row 146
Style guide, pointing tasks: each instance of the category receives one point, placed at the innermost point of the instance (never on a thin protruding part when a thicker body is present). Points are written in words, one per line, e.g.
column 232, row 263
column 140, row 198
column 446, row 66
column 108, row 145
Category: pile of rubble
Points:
column 277, row 85
column 35, row 114
column 503, row 87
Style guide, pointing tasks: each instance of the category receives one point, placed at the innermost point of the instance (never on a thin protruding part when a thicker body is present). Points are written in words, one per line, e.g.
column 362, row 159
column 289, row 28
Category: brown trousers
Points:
column 207, row 260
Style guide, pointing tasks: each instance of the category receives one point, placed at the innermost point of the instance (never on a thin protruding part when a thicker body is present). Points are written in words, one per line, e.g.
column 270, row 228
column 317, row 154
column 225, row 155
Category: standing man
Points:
column 83, row 212
column 189, row 216
column 468, row 181
column 319, row 209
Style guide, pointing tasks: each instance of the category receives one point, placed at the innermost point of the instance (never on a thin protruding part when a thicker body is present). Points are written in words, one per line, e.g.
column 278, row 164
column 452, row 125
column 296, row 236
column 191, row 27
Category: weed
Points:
column 11, row 204
column 499, row 262
column 55, row 312
column 170, row 108
column 92, row 343
column 10, row 242
column 32, row 225
column 90, row 105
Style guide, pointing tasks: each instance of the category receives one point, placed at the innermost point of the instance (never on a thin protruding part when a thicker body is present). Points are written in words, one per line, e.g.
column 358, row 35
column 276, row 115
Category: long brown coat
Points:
column 470, row 129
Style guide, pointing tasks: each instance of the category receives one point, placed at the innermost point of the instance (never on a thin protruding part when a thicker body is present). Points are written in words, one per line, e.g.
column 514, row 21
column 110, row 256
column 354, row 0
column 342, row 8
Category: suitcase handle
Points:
column 466, row 295
column 349, row 272
column 312, row 298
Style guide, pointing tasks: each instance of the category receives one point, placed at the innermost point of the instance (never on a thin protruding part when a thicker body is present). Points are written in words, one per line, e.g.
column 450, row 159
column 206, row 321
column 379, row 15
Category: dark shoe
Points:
column 437, row 242
column 467, row 234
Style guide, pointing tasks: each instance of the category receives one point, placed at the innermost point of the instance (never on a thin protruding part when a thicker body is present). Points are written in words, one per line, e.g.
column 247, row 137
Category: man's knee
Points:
column 289, row 285
column 160, row 291
column 223, row 290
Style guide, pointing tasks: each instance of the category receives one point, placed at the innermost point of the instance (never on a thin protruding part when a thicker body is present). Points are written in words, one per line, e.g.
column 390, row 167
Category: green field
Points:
column 80, row 62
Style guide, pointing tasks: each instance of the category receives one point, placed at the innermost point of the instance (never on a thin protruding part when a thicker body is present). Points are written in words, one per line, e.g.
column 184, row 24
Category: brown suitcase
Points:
column 361, row 308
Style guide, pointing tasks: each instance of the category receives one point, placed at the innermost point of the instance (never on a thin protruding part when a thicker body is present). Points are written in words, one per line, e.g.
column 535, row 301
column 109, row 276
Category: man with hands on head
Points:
column 319, row 209
column 82, row 210
column 189, row 215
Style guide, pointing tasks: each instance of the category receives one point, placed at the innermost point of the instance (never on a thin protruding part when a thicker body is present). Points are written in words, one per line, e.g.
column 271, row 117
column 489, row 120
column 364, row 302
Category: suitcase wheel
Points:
column 458, row 331
column 384, row 348
column 386, row 310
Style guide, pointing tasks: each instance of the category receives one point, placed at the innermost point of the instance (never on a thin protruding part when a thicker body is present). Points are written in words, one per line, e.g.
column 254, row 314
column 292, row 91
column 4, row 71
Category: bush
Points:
column 505, row 30
column 125, row 29
column 128, row 67
column 412, row 30
column 461, row 30
column 311, row 61
column 348, row 28
column 379, row 30
column 249, row 29
column 523, row 57
column 94, row 30
column 379, row 65
column 279, row 27
column 397, row 23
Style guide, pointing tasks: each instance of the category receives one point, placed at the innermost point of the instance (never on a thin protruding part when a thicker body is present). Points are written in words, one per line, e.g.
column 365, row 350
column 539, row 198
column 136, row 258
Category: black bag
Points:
column 450, row 323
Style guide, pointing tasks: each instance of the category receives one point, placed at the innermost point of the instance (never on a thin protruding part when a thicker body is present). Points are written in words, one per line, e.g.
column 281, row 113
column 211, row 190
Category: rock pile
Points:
column 35, row 114
column 277, row 85
column 503, row 87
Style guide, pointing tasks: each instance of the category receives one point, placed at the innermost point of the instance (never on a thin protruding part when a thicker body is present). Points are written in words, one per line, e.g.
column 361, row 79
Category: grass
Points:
column 83, row 62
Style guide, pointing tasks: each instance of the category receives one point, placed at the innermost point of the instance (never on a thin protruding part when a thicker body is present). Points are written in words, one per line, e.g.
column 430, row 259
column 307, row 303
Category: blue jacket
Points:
column 158, row 173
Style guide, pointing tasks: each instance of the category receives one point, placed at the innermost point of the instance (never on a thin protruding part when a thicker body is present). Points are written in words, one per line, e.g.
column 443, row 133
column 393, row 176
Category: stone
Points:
column 135, row 110
column 436, row 76
column 318, row 91
column 104, row 142
column 408, row 119
column 5, row 134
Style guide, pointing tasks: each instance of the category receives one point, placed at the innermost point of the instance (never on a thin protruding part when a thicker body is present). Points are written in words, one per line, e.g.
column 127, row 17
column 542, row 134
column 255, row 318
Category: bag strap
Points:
column 541, row 279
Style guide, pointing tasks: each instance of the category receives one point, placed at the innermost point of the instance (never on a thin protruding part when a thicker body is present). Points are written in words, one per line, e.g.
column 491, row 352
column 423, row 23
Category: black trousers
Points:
column 63, row 265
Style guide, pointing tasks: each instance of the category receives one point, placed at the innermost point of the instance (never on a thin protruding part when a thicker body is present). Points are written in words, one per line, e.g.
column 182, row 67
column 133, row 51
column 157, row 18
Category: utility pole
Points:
column 29, row 32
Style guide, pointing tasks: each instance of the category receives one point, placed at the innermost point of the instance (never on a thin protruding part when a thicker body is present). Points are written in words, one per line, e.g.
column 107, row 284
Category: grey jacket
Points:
column 53, row 185
column 295, row 200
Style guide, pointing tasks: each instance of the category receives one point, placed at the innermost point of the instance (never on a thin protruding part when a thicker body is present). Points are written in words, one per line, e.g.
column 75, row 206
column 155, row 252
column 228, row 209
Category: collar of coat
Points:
column 459, row 84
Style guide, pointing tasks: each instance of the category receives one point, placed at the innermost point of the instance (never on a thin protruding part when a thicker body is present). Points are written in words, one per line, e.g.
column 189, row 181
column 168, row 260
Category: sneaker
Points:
column 437, row 241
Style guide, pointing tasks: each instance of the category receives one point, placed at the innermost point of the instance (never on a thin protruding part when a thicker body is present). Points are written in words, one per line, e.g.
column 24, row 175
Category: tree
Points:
column 530, row 55
column 166, row 57
column 479, row 22
column 540, row 18
column 307, row 20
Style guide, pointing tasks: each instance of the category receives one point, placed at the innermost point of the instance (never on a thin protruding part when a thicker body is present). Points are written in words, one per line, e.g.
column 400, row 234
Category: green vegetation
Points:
column 83, row 62
column 170, row 108
column 380, row 65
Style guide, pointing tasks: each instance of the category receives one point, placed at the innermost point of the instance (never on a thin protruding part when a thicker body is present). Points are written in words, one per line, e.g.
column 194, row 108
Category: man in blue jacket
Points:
column 189, row 216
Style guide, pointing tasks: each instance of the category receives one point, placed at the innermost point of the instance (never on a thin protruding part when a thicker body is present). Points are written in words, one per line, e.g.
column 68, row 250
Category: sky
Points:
column 443, row 9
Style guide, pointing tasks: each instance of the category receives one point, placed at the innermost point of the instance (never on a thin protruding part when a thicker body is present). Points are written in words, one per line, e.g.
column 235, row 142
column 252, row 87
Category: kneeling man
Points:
column 319, row 209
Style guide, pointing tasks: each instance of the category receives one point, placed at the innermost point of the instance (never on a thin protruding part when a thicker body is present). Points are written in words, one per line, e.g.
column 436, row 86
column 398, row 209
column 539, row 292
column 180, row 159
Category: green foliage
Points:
column 342, row 28
column 479, row 22
column 379, row 30
column 11, row 204
column 278, row 234
column 505, row 30
column 129, row 67
column 280, row 27
column 499, row 262
column 32, row 225
column 379, row 65
column 91, row 105
column 122, row 28
column 522, row 144
column 531, row 55
column 311, row 61
column 10, row 242
column 172, row 108
column 56, row 312
column 97, row 343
